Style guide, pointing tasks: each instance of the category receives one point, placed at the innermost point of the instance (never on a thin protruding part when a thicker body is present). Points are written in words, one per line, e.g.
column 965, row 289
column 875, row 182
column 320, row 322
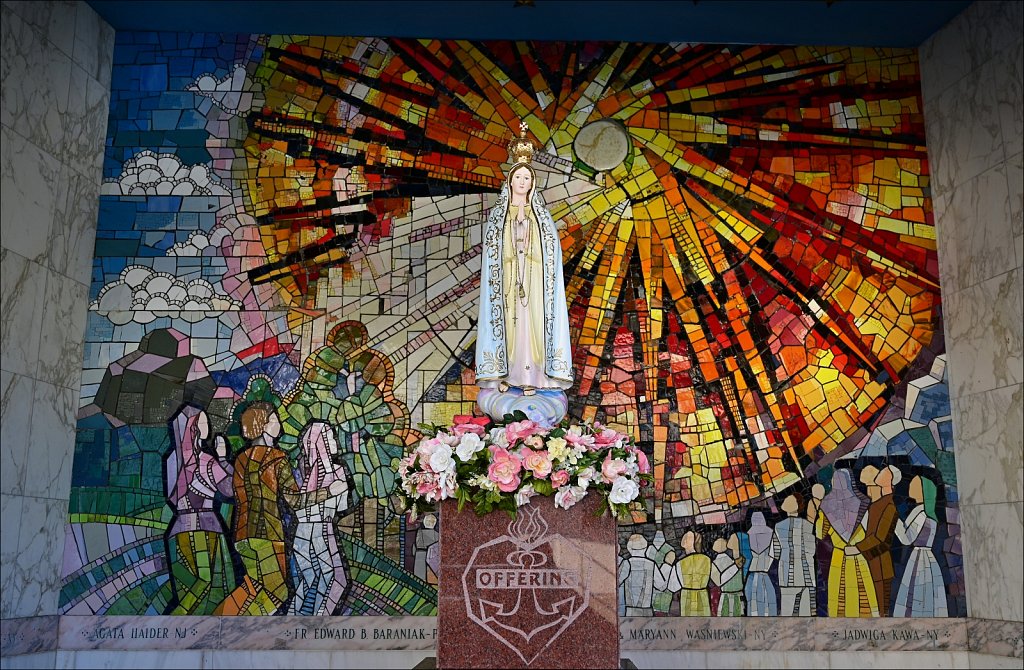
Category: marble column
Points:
column 971, row 78
column 56, row 59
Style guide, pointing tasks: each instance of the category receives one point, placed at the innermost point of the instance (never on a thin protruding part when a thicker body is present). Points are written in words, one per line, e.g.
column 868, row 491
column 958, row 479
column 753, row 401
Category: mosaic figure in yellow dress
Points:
column 851, row 591
column 690, row 577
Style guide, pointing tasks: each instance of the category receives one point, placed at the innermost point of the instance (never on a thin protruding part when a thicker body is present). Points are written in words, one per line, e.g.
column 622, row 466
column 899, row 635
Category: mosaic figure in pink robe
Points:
column 321, row 574
column 201, row 572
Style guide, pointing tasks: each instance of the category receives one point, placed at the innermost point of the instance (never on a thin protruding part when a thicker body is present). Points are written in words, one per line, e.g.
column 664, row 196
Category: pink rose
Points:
column 428, row 488
column 463, row 428
column 426, row 448
column 578, row 439
column 534, row 442
column 605, row 437
column 465, row 423
column 504, row 470
column 518, row 430
column 559, row 478
column 612, row 469
column 537, row 462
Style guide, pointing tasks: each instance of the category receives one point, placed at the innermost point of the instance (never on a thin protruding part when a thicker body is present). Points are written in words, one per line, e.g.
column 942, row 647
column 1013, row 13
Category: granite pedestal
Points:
column 537, row 592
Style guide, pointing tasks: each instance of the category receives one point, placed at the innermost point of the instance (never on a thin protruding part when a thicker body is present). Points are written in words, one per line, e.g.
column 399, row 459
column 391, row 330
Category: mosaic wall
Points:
column 285, row 285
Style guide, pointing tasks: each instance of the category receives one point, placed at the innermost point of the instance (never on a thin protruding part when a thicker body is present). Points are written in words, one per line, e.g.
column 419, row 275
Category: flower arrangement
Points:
column 501, row 465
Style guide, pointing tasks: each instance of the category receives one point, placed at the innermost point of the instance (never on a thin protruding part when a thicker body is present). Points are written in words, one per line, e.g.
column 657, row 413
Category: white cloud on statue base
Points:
column 141, row 295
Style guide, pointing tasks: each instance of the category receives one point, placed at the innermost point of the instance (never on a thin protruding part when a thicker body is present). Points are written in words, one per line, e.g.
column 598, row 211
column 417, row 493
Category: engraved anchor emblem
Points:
column 529, row 596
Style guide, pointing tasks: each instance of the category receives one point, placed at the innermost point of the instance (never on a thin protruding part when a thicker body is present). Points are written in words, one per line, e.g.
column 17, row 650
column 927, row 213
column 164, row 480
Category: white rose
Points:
column 441, row 459
column 498, row 437
column 468, row 447
column 624, row 490
column 568, row 496
column 524, row 494
column 584, row 476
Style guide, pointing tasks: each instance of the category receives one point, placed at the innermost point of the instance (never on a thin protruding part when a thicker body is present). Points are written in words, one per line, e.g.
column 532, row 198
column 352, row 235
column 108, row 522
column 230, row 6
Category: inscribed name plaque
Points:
column 536, row 592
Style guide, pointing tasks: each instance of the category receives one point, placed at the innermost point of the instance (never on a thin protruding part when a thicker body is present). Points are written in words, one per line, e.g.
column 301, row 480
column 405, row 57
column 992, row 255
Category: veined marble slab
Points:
column 253, row 633
column 28, row 635
column 366, row 633
column 140, row 632
column 326, row 633
column 716, row 634
column 891, row 634
column 999, row 638
column 792, row 634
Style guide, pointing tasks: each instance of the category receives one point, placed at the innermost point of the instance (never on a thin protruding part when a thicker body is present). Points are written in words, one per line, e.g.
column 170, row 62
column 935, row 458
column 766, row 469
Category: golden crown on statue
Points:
column 521, row 149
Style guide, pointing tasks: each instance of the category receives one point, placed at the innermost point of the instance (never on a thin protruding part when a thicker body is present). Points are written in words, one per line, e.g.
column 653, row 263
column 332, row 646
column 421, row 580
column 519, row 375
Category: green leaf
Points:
column 543, row 487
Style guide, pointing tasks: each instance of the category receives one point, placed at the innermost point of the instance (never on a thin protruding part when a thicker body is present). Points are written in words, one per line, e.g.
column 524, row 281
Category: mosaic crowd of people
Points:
column 279, row 550
column 838, row 545
column 279, row 553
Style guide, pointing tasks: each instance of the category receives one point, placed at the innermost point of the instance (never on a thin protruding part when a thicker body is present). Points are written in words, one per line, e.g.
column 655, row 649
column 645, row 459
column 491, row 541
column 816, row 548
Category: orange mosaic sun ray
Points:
column 748, row 280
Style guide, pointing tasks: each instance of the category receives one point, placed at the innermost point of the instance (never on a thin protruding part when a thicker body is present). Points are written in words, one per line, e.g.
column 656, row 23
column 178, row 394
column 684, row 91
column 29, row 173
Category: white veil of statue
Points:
column 523, row 352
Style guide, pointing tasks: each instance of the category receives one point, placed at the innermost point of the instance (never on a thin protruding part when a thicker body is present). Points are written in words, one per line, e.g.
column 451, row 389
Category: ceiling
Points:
column 894, row 23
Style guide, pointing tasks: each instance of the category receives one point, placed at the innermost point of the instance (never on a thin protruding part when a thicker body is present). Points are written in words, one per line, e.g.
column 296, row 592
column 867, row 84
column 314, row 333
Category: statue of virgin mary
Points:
column 523, row 353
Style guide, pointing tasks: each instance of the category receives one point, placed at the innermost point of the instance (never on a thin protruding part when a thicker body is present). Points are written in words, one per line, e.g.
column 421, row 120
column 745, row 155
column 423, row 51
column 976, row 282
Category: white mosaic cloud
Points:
column 202, row 243
column 141, row 295
column 235, row 93
column 150, row 173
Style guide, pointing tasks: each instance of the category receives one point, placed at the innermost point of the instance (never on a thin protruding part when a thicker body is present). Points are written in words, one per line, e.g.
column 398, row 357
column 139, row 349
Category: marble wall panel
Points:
column 133, row 659
column 29, row 175
column 994, row 572
column 10, row 512
column 31, row 635
column 62, row 332
column 963, row 129
column 37, row 568
column 994, row 471
column 94, row 44
column 971, row 83
column 984, row 248
column 996, row 638
column 668, row 659
column 54, row 20
column 990, row 662
column 1011, row 101
column 87, row 126
column 15, row 430
column 967, row 42
column 856, row 660
column 983, row 329
column 1015, row 186
column 37, row 78
column 22, row 286
column 46, row 659
column 55, row 64
column 73, row 232
column 385, row 660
